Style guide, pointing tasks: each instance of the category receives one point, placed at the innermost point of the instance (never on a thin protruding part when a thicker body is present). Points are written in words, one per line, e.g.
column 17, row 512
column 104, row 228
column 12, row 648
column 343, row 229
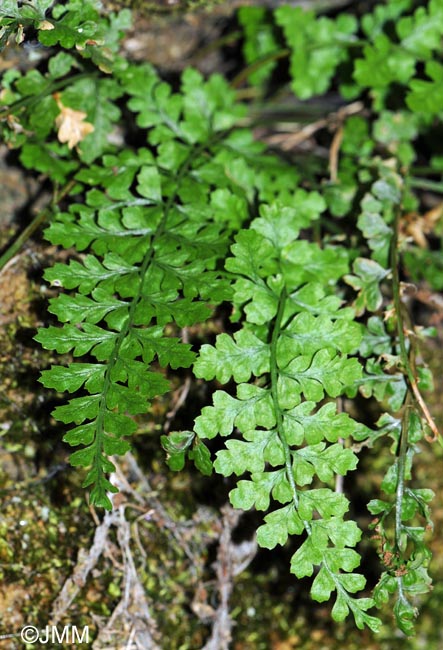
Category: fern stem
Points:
column 256, row 65
column 147, row 259
column 274, row 392
column 286, row 449
column 401, row 467
column 401, row 593
column 403, row 442
column 425, row 184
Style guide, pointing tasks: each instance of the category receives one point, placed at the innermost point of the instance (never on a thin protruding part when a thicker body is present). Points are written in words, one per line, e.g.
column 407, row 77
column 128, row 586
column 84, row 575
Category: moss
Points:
column 146, row 8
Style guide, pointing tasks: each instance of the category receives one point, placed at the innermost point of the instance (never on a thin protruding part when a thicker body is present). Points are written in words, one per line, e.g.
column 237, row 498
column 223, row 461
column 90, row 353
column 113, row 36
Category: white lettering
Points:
column 65, row 632
column 76, row 635
column 44, row 640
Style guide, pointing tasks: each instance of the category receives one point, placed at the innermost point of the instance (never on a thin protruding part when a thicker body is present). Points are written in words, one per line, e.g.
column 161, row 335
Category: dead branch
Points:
column 86, row 562
column 131, row 625
column 179, row 399
column 131, row 618
column 232, row 559
column 154, row 509
column 291, row 138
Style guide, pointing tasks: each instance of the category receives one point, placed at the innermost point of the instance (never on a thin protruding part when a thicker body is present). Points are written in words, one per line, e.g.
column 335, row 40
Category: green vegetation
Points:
column 311, row 255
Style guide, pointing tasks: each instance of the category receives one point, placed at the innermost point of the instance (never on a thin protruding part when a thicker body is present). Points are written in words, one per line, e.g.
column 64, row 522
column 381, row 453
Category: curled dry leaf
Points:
column 14, row 123
column 20, row 36
column 70, row 124
column 418, row 226
column 45, row 25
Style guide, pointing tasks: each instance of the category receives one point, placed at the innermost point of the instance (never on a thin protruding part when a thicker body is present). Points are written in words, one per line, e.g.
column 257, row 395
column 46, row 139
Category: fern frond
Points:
column 286, row 438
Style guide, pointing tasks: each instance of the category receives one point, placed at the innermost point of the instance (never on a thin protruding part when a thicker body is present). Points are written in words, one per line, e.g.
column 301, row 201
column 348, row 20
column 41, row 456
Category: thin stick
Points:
column 256, row 65
column 334, row 152
column 401, row 333
column 38, row 220
column 289, row 140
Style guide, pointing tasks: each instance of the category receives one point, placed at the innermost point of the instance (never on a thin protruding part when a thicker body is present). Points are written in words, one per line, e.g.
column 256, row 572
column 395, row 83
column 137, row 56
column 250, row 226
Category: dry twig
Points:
column 232, row 559
column 86, row 562
column 288, row 140
column 131, row 616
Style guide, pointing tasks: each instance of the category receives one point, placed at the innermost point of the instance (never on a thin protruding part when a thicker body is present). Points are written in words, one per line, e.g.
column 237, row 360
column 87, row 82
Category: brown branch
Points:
column 86, row 562
column 427, row 415
column 407, row 359
column 154, row 509
column 179, row 399
column 334, row 152
column 131, row 616
column 290, row 139
column 232, row 559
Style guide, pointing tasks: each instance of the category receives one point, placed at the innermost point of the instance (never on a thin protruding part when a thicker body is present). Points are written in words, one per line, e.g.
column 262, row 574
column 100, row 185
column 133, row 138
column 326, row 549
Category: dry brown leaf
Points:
column 14, row 123
column 45, row 25
column 432, row 216
column 20, row 36
column 70, row 124
column 418, row 226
